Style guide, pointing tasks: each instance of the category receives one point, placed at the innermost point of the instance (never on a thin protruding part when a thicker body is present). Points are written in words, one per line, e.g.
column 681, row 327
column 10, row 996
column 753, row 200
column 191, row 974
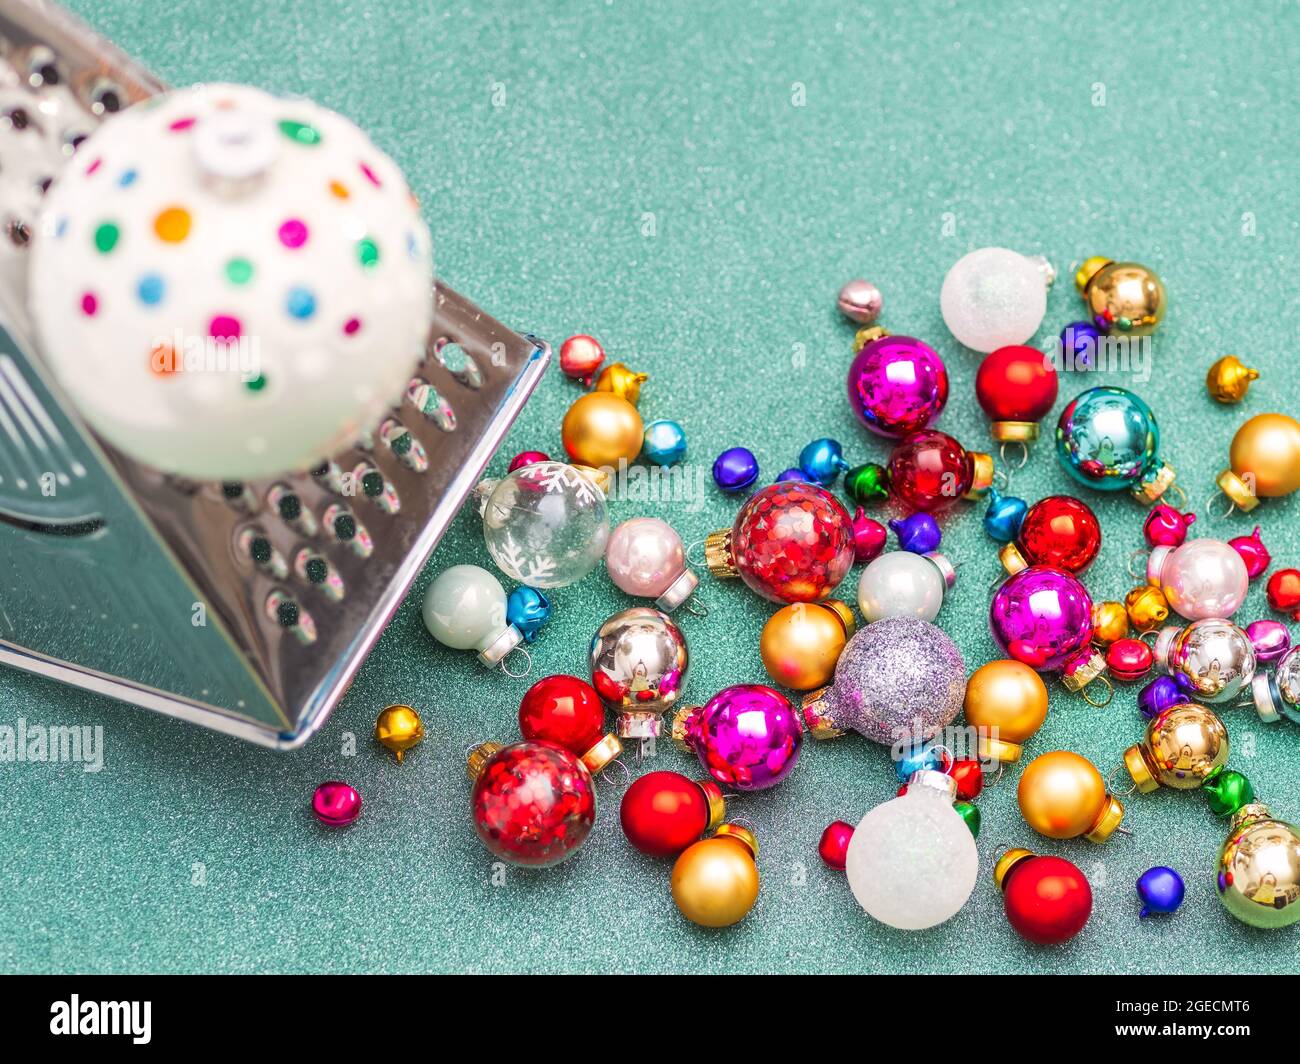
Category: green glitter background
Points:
column 924, row 133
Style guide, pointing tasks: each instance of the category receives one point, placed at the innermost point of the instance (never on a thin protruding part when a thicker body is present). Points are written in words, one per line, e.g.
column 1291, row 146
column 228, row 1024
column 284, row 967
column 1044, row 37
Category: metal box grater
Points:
column 106, row 567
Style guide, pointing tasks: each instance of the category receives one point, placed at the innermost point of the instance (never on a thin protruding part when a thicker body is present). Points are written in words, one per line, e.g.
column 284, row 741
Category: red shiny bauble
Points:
column 834, row 845
column 1060, row 531
column 968, row 774
column 1048, row 899
column 664, row 812
column 580, row 357
column 533, row 804
column 563, row 710
column 1016, row 384
column 793, row 542
column 929, row 470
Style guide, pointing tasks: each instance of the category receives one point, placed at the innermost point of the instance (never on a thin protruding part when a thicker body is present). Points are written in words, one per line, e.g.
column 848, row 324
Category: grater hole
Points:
column 72, row 140
column 348, row 530
column 405, row 447
column 311, row 568
column 253, row 543
column 42, row 69
column 288, row 504
column 238, row 496
column 17, row 119
column 457, row 361
column 374, row 486
column 105, row 98
column 425, row 398
column 18, row 232
column 285, row 611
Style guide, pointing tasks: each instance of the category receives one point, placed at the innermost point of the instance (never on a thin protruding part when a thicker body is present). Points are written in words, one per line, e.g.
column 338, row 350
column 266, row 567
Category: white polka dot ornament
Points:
column 230, row 285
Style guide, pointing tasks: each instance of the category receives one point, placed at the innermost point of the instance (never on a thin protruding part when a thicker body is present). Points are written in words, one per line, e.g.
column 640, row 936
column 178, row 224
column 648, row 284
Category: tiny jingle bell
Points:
column 1253, row 553
column 866, row 483
column 580, row 357
column 1122, row 297
column 527, row 609
column 1283, row 592
column 1263, row 460
column 1159, row 695
column 833, row 847
column 968, row 774
column 664, row 443
column 1147, row 608
column 1271, row 640
column 918, row 533
column 1079, row 343
column 1129, row 659
column 1047, row 899
column 1228, row 379
column 715, row 881
column 620, row 380
column 1166, row 527
column 336, row 804
column 1226, row 791
column 398, row 729
column 1004, row 516
column 1109, row 622
column 860, row 301
column 822, row 461
column 662, row 813
column 909, row 760
column 869, row 536
column 1184, row 745
column 970, row 813
column 526, row 458
column 790, row 474
column 1161, row 890
column 735, row 469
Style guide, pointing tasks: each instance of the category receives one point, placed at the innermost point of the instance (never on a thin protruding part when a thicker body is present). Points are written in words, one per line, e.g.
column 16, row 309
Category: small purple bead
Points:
column 735, row 469
column 1271, row 640
column 918, row 533
column 1159, row 695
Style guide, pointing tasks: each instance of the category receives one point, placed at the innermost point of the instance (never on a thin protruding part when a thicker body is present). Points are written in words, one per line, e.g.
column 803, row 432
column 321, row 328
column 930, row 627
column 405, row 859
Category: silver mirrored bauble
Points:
column 638, row 666
column 1213, row 655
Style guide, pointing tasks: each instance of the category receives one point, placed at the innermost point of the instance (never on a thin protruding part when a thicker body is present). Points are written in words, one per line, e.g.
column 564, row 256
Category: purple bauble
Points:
column 747, row 737
column 1271, row 640
column 899, row 680
column 897, row 385
column 1159, row 695
column 1041, row 616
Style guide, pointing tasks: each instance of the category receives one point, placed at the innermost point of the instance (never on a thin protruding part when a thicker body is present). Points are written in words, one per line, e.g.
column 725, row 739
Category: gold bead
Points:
column 1088, row 270
column 1228, row 379
column 600, row 429
column 1126, row 298
column 1147, row 607
column 620, row 380
column 1006, row 702
column 715, row 880
column 1265, row 459
column 1182, row 746
column 802, row 642
column 1259, row 869
column 1109, row 623
column 398, row 728
column 1063, row 796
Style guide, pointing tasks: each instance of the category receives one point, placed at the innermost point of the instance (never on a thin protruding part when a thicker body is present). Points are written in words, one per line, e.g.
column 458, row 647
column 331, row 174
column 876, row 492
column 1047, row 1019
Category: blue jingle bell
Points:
column 822, row 461
column 664, row 443
column 1159, row 695
column 912, row 759
column 735, row 469
column 1004, row 516
column 791, row 474
column 1161, row 890
column 528, row 609
column 1079, row 342
column 918, row 533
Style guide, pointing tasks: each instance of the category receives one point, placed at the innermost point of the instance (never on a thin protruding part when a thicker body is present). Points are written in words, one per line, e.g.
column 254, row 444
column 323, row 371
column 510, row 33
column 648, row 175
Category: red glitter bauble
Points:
column 1060, row 531
column 664, row 812
column 834, row 845
column 563, row 710
column 793, row 542
column 533, row 804
column 1048, row 899
column 929, row 470
column 1016, row 384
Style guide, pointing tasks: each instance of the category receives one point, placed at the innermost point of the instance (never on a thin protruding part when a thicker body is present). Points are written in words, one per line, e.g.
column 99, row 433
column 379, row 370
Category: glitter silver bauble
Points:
column 638, row 667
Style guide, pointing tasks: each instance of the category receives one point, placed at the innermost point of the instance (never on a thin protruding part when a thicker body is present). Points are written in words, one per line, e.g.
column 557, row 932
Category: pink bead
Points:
column 293, row 233
column 644, row 557
column 336, row 804
column 834, row 845
column 526, row 458
column 1166, row 527
column 1253, row 553
column 869, row 536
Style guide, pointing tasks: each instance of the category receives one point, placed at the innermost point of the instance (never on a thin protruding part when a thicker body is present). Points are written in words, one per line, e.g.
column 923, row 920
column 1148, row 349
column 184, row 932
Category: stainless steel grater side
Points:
column 243, row 607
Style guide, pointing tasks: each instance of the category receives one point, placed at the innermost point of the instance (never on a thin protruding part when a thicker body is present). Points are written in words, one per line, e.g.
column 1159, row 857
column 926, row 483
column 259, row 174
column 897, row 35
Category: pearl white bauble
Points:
column 1202, row 578
column 912, row 861
column 230, row 285
column 644, row 556
column 465, row 608
column 994, row 297
column 900, row 584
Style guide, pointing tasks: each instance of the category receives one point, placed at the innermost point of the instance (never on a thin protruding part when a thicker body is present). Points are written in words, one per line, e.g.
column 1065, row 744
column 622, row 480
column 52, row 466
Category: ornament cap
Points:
column 681, row 730
column 1139, row 770
column 741, row 834
column 1091, row 266
column 1266, row 697
column 479, row 757
column 1011, row 558
column 499, row 645
column 843, row 614
column 981, row 474
column 599, row 477
column 817, row 715
column 717, row 804
column 1248, row 814
column 1165, row 644
column 1015, row 431
column 718, row 555
column 1237, row 490
column 1107, row 820
column 1156, row 562
column 678, row 591
column 946, row 569
column 933, row 780
column 639, row 724
column 866, row 335
column 1007, row 862
column 997, row 749
column 1154, row 486
column 1082, row 670
column 602, row 753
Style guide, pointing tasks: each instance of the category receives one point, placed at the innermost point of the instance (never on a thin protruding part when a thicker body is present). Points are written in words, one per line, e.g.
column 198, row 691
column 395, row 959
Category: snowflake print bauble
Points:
column 545, row 524
column 230, row 285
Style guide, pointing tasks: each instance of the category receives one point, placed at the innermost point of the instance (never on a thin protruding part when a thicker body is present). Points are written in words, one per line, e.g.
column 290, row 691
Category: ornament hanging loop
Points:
column 1110, row 786
column 1210, row 503
column 695, row 607
column 1141, row 573
column 528, row 663
column 624, row 778
column 1002, row 477
column 697, row 562
column 1099, row 703
column 1177, row 496
column 1020, row 447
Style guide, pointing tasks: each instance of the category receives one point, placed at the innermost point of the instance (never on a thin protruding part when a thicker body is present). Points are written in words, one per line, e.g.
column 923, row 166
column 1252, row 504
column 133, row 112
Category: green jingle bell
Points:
column 1227, row 791
column 969, row 813
column 866, row 482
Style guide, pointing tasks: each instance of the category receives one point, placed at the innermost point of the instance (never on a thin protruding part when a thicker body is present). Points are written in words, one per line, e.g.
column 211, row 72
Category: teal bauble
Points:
column 1108, row 439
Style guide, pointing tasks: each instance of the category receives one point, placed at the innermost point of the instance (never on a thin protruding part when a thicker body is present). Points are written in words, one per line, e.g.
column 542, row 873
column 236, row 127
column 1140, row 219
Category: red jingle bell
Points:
column 1284, row 592
column 1166, row 527
column 968, row 774
column 567, row 711
column 1253, row 553
column 664, row 812
column 929, row 470
column 1047, row 899
column 834, row 845
column 1129, row 659
column 1059, row 531
column 1016, row 387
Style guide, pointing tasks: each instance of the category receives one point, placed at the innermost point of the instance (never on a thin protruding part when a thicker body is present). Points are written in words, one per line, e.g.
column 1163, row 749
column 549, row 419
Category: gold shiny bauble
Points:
column 1265, row 460
column 1063, row 796
column 1147, row 607
column 1109, row 623
column 1259, row 869
column 600, row 429
column 802, row 642
column 1006, row 702
column 398, row 728
column 1183, row 745
column 1125, row 298
column 715, row 880
column 1228, row 379
column 620, row 380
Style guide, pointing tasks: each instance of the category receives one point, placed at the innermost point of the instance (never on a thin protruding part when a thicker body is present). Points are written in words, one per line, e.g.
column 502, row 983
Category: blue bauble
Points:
column 912, row 759
column 1159, row 695
column 528, row 609
column 664, row 443
column 918, row 533
column 791, row 474
column 1003, row 518
column 822, row 461
column 735, row 469
column 1107, row 439
column 1161, row 890
column 1079, row 342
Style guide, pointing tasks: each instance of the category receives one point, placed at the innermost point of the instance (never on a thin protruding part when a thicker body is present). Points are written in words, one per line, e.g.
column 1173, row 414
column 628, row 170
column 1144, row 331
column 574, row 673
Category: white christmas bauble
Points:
column 465, row 608
column 900, row 584
column 994, row 297
column 545, row 524
column 230, row 285
column 912, row 861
